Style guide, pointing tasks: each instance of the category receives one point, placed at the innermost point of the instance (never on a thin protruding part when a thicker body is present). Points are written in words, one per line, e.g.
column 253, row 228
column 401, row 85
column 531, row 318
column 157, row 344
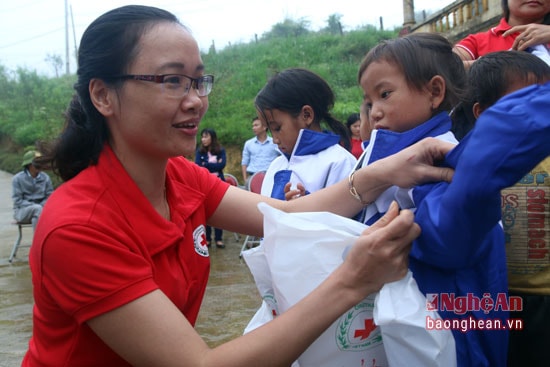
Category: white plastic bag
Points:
column 298, row 252
column 400, row 311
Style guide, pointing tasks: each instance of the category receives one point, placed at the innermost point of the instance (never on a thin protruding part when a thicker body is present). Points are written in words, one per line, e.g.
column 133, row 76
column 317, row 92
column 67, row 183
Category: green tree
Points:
column 289, row 28
column 56, row 62
column 334, row 26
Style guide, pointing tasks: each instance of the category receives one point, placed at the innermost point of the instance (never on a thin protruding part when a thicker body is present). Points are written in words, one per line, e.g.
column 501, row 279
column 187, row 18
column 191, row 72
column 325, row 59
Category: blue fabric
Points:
column 317, row 161
column 389, row 142
column 461, row 249
column 257, row 156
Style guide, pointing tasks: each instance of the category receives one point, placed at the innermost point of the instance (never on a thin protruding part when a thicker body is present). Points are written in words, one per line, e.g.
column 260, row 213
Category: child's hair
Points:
column 491, row 75
column 214, row 147
column 421, row 56
column 506, row 13
column 352, row 119
column 489, row 79
column 291, row 89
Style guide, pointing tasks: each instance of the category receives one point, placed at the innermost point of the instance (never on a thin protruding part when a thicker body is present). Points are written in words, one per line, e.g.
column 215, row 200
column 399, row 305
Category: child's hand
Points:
column 295, row 193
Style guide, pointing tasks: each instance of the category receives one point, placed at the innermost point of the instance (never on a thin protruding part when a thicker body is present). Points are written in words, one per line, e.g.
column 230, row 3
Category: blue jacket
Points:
column 461, row 251
column 317, row 161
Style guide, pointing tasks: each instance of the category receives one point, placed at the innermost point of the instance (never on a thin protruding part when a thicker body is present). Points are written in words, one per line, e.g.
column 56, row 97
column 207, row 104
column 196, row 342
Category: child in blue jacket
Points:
column 410, row 84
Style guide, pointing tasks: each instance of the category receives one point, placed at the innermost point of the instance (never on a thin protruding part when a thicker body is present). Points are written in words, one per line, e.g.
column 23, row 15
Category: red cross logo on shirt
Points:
column 364, row 333
column 204, row 242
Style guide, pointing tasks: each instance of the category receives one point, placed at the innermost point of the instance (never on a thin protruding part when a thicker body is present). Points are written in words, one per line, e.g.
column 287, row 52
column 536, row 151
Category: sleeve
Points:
column 18, row 194
column 200, row 179
column 518, row 129
column 340, row 169
column 246, row 155
column 48, row 189
column 95, row 270
column 470, row 45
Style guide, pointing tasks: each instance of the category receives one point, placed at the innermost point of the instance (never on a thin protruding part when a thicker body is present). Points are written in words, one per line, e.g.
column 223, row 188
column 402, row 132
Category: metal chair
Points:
column 17, row 242
column 253, row 184
column 230, row 179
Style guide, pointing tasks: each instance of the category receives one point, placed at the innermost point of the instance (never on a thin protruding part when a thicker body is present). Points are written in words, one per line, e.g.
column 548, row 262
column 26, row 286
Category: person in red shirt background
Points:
column 354, row 125
column 525, row 25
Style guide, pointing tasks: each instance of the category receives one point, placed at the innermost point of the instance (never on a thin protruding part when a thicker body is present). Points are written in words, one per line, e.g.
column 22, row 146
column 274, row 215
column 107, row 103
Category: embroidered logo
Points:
column 271, row 301
column 356, row 329
column 199, row 239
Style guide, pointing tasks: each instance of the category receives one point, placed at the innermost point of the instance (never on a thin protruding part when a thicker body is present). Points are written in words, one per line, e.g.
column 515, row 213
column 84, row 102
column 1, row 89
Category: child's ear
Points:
column 477, row 110
column 307, row 115
column 436, row 86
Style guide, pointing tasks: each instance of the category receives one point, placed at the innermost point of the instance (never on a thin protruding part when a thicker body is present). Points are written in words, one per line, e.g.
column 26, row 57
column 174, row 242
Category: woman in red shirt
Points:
column 120, row 259
column 524, row 24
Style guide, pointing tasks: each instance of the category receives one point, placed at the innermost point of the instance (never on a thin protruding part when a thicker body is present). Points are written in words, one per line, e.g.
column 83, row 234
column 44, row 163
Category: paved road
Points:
column 231, row 296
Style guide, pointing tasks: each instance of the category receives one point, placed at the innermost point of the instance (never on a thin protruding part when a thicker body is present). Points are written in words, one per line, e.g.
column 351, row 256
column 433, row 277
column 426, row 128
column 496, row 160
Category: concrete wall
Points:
column 461, row 18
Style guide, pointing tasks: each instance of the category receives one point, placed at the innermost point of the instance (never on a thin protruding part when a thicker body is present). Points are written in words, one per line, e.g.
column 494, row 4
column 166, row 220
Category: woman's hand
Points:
column 415, row 165
column 529, row 35
column 380, row 254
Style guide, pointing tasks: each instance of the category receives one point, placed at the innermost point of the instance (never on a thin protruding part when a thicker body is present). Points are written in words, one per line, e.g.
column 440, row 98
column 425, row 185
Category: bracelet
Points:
column 354, row 192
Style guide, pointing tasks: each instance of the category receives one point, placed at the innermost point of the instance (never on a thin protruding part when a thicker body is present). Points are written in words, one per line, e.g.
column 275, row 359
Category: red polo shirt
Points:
column 482, row 43
column 100, row 244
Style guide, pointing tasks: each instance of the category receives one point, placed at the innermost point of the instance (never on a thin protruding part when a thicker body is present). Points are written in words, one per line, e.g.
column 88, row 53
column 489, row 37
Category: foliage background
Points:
column 32, row 105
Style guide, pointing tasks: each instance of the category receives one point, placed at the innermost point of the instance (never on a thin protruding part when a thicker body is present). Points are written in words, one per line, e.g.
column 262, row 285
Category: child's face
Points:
column 391, row 104
column 284, row 129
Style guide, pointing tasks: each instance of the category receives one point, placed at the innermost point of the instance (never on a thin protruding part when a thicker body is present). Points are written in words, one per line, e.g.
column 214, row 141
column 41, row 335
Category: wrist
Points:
column 366, row 184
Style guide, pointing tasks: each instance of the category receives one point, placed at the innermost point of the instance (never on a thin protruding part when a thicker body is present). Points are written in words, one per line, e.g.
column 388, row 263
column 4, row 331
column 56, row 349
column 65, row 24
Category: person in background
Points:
column 259, row 151
column 525, row 210
column 30, row 189
column 119, row 259
column 211, row 155
column 295, row 104
column 524, row 26
column 354, row 125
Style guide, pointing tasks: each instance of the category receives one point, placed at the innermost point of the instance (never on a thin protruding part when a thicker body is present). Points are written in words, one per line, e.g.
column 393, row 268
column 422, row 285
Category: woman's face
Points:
column 527, row 11
column 147, row 122
column 206, row 139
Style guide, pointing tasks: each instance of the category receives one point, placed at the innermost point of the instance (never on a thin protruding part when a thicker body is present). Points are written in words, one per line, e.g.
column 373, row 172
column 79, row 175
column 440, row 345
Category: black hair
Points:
column 421, row 56
column 108, row 46
column 291, row 89
column 491, row 75
column 506, row 13
column 489, row 79
column 352, row 119
column 214, row 147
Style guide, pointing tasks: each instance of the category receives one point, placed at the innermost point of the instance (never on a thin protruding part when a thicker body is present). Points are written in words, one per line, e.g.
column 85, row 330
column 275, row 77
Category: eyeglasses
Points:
column 177, row 85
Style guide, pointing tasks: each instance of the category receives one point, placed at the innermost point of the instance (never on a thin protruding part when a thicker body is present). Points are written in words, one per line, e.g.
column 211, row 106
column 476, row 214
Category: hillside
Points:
column 31, row 106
